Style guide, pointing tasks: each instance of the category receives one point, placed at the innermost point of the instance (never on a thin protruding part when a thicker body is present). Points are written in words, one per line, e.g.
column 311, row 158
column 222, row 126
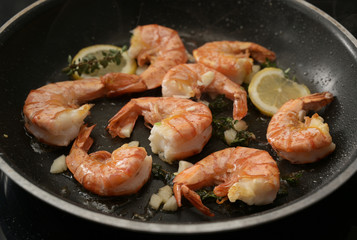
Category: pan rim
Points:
column 185, row 228
column 19, row 14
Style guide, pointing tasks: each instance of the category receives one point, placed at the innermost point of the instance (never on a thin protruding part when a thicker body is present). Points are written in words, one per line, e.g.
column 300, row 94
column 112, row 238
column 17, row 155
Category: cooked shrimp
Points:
column 191, row 80
column 53, row 113
column 232, row 58
column 181, row 127
column 241, row 173
column 297, row 141
column 122, row 172
column 161, row 46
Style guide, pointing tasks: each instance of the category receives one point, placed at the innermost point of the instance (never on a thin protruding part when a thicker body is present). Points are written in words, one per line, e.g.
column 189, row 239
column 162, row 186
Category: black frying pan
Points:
column 34, row 49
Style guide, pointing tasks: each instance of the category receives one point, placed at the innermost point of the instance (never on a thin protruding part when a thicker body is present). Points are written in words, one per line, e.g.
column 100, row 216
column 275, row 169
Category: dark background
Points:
column 23, row 216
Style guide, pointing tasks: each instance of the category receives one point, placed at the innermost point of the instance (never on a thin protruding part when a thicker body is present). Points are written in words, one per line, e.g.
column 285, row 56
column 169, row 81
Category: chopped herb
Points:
column 286, row 71
column 91, row 63
column 159, row 173
column 219, row 104
column 287, row 75
column 222, row 124
column 207, row 194
column 242, row 139
column 268, row 63
column 293, row 177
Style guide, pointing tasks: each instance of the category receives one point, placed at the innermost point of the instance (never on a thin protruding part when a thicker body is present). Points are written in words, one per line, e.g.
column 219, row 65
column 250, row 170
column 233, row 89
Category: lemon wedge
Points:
column 127, row 64
column 269, row 89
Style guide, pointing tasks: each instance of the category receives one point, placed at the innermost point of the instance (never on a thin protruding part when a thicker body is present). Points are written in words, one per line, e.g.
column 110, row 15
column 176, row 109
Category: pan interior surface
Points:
column 34, row 49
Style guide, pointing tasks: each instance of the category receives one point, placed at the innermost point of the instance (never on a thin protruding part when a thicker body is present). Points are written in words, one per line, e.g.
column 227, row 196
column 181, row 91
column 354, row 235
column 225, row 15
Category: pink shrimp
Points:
column 161, row 46
column 181, row 127
column 297, row 141
column 241, row 173
column 122, row 172
column 190, row 80
column 53, row 113
column 232, row 58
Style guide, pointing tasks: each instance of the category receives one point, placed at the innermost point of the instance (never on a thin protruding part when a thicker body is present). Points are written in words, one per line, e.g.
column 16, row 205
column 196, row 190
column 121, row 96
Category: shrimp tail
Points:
column 192, row 196
column 177, row 193
column 122, row 123
column 121, row 83
column 316, row 101
column 260, row 53
column 84, row 141
column 195, row 200
column 79, row 148
column 240, row 107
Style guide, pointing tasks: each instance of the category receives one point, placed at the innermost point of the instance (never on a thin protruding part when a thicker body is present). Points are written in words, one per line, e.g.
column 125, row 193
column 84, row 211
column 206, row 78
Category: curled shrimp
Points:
column 181, row 127
column 122, row 172
column 297, row 141
column 232, row 58
column 53, row 113
column 191, row 80
column 240, row 173
column 159, row 45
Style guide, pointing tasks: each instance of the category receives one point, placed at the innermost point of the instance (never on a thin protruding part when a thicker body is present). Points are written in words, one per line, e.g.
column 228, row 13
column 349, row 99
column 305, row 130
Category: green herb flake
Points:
column 268, row 63
column 219, row 104
column 222, row 124
column 243, row 138
column 293, row 178
column 207, row 194
column 159, row 173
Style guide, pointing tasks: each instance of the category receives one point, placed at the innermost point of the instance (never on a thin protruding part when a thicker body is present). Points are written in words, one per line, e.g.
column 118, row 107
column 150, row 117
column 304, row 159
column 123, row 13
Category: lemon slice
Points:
column 269, row 89
column 127, row 64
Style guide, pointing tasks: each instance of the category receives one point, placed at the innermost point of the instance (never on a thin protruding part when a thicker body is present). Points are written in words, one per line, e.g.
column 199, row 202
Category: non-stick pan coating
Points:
column 34, row 49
